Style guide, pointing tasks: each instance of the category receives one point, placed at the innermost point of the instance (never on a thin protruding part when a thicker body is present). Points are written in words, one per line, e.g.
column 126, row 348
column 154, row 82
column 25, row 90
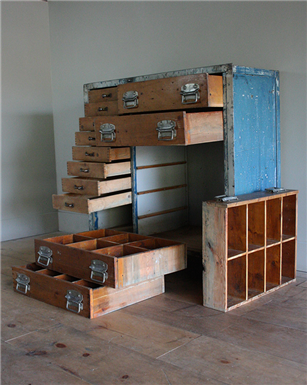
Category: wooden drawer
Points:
column 88, row 186
column 168, row 94
column 149, row 130
column 98, row 170
column 86, row 124
column 85, row 138
column 101, row 108
column 100, row 154
column 81, row 297
column 86, row 204
column 103, row 95
column 116, row 259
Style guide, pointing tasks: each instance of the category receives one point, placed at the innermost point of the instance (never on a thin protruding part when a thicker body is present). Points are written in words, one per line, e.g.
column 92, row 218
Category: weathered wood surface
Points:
column 100, row 154
column 98, row 170
column 103, row 94
column 85, row 138
column 102, row 108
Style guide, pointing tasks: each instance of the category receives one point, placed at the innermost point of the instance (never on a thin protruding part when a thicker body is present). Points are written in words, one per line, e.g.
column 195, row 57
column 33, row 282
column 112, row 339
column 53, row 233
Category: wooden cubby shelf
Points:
column 249, row 247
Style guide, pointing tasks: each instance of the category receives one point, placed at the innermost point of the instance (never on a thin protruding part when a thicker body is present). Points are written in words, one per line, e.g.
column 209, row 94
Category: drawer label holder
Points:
column 108, row 132
column 98, row 271
column 166, row 130
column 130, row 99
column 22, row 283
column 190, row 93
column 74, row 301
column 45, row 256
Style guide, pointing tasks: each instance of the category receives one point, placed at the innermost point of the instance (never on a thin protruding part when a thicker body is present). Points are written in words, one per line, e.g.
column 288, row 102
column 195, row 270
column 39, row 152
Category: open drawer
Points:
column 81, row 297
column 116, row 259
column 164, row 128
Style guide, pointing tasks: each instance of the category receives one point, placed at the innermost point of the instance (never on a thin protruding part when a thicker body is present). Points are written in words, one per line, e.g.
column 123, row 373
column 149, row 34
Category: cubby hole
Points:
column 256, row 225
column 67, row 239
column 50, row 273
column 102, row 233
column 236, row 280
column 273, row 221
column 272, row 266
column 66, row 277
column 236, row 230
column 288, row 260
column 120, row 251
column 125, row 238
column 256, row 262
column 289, row 217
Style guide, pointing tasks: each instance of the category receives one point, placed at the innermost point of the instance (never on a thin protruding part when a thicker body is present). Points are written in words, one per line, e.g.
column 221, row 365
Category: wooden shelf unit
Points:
column 249, row 247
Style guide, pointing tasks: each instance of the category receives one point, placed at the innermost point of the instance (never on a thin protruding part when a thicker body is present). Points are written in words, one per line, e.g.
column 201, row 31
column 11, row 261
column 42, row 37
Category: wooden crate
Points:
column 249, row 247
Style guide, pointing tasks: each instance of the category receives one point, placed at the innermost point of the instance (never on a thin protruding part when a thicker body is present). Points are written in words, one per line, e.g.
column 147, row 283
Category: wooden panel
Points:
column 256, row 277
column 214, row 257
column 85, row 138
column 289, row 260
column 88, row 186
column 237, row 228
column 273, row 221
column 215, row 94
column 100, row 154
column 86, row 124
column 236, row 280
column 289, row 215
column 141, row 130
column 256, row 225
column 102, row 108
column 103, row 94
column 98, row 170
column 273, row 266
column 165, row 94
column 86, row 204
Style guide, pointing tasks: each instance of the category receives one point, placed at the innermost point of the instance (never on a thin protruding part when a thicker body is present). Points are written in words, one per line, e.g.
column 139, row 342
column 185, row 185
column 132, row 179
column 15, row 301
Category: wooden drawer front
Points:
column 101, row 108
column 98, row 170
column 165, row 94
column 86, row 124
column 103, row 94
column 86, row 204
column 85, row 138
column 73, row 294
column 125, row 258
column 88, row 186
column 102, row 154
column 143, row 130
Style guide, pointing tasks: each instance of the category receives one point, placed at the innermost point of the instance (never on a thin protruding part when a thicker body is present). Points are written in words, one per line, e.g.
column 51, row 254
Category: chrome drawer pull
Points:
column 130, row 99
column 86, row 170
column 78, row 187
column 166, row 130
column 102, row 109
column 45, row 256
column 107, row 95
column 87, row 154
column 22, row 283
column 190, row 93
column 108, row 133
column 74, row 301
column 98, row 271
column 91, row 138
column 69, row 204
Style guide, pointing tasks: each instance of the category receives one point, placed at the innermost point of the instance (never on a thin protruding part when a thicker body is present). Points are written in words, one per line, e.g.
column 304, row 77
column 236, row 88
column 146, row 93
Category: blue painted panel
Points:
column 256, row 139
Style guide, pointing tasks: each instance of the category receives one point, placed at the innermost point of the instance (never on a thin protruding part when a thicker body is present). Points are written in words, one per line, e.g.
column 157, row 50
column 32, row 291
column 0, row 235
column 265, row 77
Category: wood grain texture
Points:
column 203, row 127
column 98, row 170
column 101, row 108
column 86, row 124
column 103, row 94
column 85, row 138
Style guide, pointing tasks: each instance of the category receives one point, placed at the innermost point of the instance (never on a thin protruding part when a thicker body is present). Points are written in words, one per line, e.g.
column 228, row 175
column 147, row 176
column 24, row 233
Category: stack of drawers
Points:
column 96, row 272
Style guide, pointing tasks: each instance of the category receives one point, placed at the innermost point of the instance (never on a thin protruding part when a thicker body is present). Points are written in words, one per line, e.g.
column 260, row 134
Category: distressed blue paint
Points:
column 256, row 131
column 93, row 221
column 134, row 190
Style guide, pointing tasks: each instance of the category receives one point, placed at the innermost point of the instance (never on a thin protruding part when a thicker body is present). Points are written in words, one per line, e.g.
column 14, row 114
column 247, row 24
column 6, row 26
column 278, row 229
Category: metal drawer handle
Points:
column 107, row 95
column 87, row 154
column 22, row 283
column 74, row 301
column 130, row 99
column 102, row 109
column 91, row 138
column 108, row 132
column 98, row 271
column 45, row 256
column 190, row 93
column 86, row 170
column 166, row 130
column 69, row 204
column 78, row 187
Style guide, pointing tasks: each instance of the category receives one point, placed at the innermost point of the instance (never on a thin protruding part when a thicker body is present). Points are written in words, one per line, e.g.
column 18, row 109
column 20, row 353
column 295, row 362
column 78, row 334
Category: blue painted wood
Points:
column 256, row 130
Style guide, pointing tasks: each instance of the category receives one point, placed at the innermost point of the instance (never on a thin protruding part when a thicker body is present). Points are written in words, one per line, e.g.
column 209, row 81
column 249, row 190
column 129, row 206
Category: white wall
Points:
column 94, row 41
column 28, row 176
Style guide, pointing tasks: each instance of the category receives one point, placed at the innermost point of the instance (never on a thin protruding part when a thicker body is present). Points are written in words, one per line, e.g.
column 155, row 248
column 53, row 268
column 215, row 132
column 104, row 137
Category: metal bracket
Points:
column 74, row 301
column 44, row 258
column 98, row 271
column 166, row 130
column 275, row 190
column 108, row 133
column 23, row 283
column 130, row 99
column 226, row 198
column 190, row 93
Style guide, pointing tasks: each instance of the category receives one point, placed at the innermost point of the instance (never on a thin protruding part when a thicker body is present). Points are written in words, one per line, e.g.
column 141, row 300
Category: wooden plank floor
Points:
column 169, row 339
